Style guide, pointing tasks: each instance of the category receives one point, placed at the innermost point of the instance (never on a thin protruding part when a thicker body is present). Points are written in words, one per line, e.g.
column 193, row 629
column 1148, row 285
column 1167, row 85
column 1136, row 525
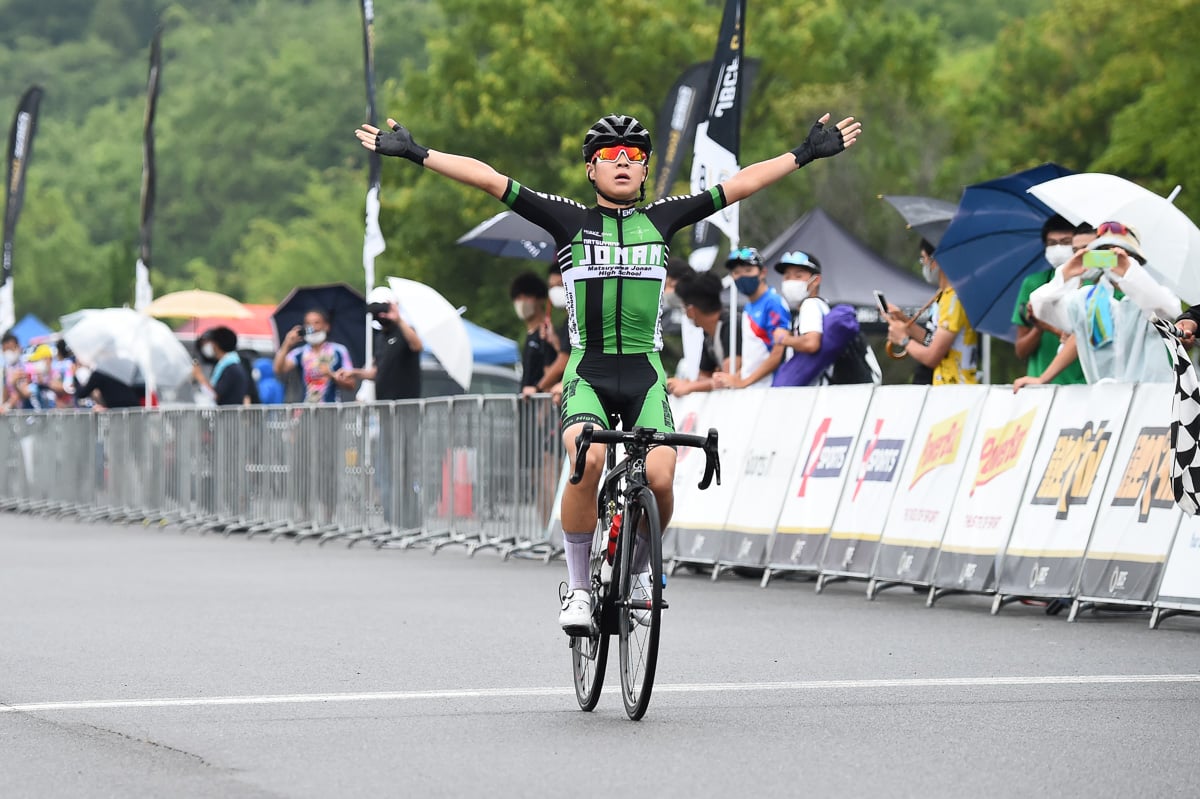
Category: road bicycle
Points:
column 625, row 603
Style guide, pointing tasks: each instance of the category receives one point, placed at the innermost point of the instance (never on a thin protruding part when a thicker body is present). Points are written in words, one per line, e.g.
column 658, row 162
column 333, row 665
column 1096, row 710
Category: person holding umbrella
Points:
column 320, row 361
column 613, row 257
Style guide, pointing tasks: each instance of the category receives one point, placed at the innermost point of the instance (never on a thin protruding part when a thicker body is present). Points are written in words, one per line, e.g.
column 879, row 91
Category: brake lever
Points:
column 712, row 460
column 582, row 442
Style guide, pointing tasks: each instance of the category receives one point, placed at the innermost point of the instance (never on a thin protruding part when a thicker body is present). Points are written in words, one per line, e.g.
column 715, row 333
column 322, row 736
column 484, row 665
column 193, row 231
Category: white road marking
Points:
column 684, row 688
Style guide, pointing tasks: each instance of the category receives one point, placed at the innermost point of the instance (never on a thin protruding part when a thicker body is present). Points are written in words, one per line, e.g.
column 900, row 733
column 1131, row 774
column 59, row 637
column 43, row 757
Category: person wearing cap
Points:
column 33, row 390
column 397, row 367
column 1110, row 319
column 765, row 312
column 801, row 282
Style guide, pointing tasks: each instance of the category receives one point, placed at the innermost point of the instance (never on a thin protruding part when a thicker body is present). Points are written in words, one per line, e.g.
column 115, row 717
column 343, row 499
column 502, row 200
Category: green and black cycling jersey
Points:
column 613, row 262
column 614, row 267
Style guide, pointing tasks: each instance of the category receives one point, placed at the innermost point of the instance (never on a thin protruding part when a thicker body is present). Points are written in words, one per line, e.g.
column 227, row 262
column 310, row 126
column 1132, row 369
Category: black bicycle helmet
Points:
column 615, row 129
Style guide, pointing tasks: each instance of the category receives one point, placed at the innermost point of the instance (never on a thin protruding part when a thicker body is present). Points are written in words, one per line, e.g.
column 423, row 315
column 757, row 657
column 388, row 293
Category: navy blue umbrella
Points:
column 993, row 243
column 511, row 236
column 345, row 307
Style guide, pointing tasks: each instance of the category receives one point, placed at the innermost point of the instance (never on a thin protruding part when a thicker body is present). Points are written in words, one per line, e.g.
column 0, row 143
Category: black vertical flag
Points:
column 20, row 149
column 683, row 107
column 718, row 136
column 143, row 293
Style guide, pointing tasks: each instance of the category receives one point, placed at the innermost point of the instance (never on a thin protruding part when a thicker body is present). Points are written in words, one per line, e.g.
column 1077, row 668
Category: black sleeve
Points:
column 1191, row 314
column 672, row 214
column 708, row 361
column 561, row 218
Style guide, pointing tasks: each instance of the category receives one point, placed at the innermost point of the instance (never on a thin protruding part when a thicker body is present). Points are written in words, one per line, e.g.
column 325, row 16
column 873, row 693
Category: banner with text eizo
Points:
column 863, row 510
column 1045, row 551
column 826, row 458
column 700, row 516
column 989, row 494
column 766, row 473
column 932, row 471
column 1138, row 515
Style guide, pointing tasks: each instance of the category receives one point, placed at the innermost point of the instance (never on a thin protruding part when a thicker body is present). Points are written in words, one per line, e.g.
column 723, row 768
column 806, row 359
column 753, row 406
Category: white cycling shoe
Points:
column 575, row 618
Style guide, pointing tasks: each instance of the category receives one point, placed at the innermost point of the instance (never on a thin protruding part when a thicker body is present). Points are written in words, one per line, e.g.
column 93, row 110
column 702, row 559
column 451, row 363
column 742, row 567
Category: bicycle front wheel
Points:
column 589, row 655
column 639, row 600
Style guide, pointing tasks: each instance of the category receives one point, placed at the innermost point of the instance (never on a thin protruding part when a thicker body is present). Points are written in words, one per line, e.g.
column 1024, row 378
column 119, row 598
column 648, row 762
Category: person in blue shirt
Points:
column 765, row 312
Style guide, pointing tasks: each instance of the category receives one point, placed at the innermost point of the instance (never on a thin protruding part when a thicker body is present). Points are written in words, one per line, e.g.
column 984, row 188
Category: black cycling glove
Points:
column 822, row 142
column 398, row 141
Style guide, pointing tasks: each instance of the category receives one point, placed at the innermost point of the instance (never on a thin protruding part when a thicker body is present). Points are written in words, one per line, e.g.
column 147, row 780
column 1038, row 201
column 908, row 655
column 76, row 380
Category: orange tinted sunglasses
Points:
column 1116, row 229
column 635, row 155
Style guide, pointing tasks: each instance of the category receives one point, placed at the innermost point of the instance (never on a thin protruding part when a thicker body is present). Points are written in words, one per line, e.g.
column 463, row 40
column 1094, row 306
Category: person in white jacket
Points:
column 1110, row 317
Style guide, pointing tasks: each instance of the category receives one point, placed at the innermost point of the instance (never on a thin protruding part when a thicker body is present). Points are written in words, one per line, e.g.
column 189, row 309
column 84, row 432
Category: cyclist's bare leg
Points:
column 578, row 510
column 660, row 473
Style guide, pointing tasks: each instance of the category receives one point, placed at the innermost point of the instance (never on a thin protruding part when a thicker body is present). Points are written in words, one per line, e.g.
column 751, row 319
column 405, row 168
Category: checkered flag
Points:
column 1185, row 422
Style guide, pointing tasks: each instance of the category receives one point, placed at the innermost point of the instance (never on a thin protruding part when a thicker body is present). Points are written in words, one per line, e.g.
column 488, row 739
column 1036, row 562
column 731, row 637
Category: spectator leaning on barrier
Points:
column 801, row 286
column 14, row 370
column 1110, row 319
column 765, row 312
column 701, row 296
column 1038, row 342
column 319, row 360
column 229, row 383
column 953, row 350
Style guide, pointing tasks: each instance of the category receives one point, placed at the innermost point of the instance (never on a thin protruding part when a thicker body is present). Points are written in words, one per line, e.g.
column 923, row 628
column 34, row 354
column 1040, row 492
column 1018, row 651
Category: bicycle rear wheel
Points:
column 589, row 656
column 639, row 602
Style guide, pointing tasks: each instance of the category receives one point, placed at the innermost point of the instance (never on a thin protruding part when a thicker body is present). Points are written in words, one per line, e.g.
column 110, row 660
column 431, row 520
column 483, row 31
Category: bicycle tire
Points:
column 637, row 623
column 589, row 656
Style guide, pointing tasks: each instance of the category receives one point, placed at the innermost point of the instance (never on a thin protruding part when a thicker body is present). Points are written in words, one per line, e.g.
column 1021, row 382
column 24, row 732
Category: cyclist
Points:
column 613, row 258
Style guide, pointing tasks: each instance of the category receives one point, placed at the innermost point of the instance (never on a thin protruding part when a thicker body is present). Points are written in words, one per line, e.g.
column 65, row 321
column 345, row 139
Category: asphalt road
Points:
column 142, row 662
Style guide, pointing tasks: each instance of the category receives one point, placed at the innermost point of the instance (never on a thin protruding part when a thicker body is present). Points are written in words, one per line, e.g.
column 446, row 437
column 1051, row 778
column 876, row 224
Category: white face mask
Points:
column 794, row 291
column 207, row 351
column 315, row 338
column 672, row 301
column 82, row 375
column 1059, row 254
column 523, row 309
column 12, row 357
column 558, row 296
column 930, row 274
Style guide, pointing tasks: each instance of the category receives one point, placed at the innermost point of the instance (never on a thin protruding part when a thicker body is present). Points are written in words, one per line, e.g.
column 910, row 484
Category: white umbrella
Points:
column 122, row 342
column 440, row 326
column 1170, row 240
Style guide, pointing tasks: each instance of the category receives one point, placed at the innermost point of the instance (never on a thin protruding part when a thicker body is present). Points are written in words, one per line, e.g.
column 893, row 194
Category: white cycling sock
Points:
column 578, row 549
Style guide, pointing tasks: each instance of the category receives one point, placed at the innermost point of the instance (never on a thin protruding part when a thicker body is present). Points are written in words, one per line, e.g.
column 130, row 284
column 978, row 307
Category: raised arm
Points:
column 399, row 142
column 821, row 142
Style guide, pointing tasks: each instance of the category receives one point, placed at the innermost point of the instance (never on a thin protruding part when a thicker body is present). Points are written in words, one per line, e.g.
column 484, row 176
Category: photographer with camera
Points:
column 397, row 367
column 1110, row 318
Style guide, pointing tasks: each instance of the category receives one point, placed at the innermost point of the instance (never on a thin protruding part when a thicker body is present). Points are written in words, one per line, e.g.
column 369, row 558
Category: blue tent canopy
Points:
column 30, row 327
column 489, row 347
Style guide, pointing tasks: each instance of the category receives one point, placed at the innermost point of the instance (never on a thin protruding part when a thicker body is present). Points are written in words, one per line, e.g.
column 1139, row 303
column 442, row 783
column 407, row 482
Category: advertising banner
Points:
column 700, row 516
column 826, row 458
column 1180, row 586
column 989, row 493
column 1072, row 463
column 1138, row 515
column 886, row 439
column 765, row 475
column 687, row 412
column 917, row 517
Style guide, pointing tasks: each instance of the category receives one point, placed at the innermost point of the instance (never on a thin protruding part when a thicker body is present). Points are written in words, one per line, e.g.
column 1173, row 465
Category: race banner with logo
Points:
column 765, row 475
column 1180, row 586
column 700, row 516
column 989, row 494
column 932, row 471
column 826, row 458
column 20, row 150
column 863, row 510
column 1045, row 551
column 718, row 137
column 688, row 413
column 1138, row 515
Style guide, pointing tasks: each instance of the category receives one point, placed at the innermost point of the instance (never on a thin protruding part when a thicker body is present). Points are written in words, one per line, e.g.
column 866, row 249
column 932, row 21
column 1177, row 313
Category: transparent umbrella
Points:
column 122, row 342
column 440, row 326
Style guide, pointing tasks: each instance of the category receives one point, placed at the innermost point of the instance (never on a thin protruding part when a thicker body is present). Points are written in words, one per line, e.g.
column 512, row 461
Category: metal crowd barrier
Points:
column 473, row 471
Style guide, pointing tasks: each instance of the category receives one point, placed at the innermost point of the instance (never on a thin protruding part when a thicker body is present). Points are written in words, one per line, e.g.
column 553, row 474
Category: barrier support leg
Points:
column 825, row 579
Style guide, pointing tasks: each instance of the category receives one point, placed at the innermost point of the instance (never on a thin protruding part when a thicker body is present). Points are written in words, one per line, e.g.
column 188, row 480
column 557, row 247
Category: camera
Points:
column 1099, row 259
